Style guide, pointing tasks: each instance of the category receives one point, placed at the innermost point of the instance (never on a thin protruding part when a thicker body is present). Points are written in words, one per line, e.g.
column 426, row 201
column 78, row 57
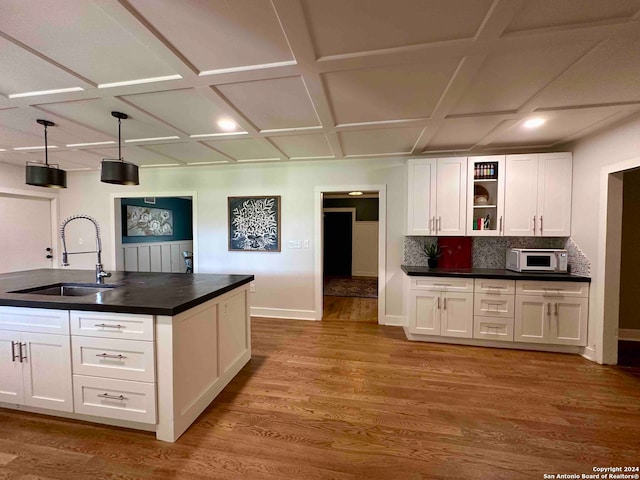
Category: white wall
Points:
column 593, row 158
column 284, row 280
column 365, row 249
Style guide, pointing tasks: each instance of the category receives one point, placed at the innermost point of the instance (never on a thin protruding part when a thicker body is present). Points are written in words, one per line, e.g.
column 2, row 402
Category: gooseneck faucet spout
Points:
column 100, row 273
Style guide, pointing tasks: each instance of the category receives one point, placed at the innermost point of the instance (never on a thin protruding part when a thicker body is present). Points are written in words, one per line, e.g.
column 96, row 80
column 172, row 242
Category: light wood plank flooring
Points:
column 347, row 400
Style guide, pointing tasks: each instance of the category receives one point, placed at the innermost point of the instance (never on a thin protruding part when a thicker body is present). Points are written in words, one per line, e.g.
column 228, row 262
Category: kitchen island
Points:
column 143, row 350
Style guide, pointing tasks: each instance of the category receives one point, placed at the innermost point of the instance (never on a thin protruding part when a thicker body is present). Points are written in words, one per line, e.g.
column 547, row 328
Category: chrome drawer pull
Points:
column 23, row 357
column 106, row 355
column 13, row 351
column 104, row 325
column 112, row 397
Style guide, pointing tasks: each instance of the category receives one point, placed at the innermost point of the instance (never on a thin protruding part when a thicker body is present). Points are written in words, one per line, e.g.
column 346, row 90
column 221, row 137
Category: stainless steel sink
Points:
column 67, row 289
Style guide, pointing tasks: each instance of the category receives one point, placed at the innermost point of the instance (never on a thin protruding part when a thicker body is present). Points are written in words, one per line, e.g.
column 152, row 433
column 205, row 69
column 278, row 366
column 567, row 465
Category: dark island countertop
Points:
column 134, row 292
column 497, row 273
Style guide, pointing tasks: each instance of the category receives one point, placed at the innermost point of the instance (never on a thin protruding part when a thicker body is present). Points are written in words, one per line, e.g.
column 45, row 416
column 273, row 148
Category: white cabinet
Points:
column 114, row 365
column 437, row 196
column 538, row 195
column 493, row 309
column 558, row 315
column 485, row 196
column 35, row 369
column 441, row 307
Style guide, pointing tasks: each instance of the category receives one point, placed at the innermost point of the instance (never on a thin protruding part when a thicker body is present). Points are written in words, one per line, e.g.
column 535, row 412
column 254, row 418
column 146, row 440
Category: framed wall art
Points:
column 149, row 222
column 254, row 224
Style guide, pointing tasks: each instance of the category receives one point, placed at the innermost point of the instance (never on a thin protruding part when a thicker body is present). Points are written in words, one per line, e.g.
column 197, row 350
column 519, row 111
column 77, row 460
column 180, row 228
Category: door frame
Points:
column 194, row 225
column 350, row 210
column 381, row 190
column 53, row 209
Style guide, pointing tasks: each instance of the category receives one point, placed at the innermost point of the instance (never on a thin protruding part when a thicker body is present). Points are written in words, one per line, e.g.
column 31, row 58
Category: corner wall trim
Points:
column 284, row 313
column 589, row 353
column 629, row 334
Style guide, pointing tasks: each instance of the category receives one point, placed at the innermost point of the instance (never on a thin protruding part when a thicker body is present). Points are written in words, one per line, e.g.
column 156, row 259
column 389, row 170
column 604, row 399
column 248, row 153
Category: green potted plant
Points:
column 432, row 251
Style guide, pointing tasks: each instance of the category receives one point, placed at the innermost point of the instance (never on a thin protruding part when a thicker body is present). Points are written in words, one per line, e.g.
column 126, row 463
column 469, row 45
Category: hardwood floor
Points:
column 353, row 309
column 343, row 400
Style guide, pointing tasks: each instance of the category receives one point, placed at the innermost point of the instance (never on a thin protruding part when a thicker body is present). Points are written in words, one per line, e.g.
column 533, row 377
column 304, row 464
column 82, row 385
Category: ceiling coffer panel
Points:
column 376, row 142
column 135, row 154
column 83, row 37
column 347, row 26
column 185, row 109
column 388, row 93
column 461, row 133
column 188, row 152
column 96, row 114
column 279, row 103
column 246, row 149
column 215, row 35
column 304, row 146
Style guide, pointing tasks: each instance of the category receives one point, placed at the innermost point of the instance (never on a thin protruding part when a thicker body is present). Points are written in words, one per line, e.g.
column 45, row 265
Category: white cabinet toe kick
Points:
column 154, row 373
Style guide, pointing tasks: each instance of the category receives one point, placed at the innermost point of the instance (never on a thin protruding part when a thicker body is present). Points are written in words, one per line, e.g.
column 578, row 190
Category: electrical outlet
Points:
column 252, row 287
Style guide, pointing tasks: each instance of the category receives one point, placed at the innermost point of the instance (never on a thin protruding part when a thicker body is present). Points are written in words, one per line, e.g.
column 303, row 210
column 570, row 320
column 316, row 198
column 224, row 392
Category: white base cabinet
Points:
column 35, row 368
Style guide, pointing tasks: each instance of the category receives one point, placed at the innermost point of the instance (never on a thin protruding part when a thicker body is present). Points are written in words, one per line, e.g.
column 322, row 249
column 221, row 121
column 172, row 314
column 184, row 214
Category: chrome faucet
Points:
column 100, row 273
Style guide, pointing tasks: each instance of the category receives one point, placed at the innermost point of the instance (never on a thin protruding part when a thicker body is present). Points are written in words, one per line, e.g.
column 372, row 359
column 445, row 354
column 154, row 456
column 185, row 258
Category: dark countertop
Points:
column 497, row 273
column 136, row 292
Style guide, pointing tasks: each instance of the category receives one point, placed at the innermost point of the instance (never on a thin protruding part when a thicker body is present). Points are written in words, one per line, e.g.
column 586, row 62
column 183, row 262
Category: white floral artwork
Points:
column 254, row 223
column 149, row 222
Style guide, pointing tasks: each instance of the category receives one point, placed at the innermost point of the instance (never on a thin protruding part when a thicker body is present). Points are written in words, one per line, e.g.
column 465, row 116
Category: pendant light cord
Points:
column 46, row 149
column 119, row 141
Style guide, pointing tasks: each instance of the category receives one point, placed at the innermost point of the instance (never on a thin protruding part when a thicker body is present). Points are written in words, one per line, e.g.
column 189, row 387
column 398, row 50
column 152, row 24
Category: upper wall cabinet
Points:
column 485, row 196
column 538, row 195
column 437, row 196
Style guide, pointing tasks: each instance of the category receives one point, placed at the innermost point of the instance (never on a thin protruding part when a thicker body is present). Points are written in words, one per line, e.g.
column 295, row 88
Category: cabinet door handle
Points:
column 444, row 301
column 549, row 309
column 104, row 325
column 439, row 224
column 107, row 355
column 430, row 224
column 500, row 223
column 534, row 224
column 438, row 303
column 435, row 225
column 540, row 224
column 555, row 308
column 23, row 357
column 112, row 397
column 13, row 351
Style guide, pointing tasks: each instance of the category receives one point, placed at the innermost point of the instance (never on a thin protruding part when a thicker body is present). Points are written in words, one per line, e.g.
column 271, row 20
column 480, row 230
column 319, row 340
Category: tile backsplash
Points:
column 490, row 252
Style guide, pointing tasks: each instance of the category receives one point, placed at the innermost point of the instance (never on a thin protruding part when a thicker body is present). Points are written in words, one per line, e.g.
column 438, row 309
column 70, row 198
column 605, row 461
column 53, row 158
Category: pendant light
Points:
column 45, row 175
column 118, row 171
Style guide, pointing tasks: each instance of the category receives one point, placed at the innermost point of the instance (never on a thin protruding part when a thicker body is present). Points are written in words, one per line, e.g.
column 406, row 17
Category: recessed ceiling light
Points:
column 151, row 139
column 227, row 125
column 90, row 144
column 356, row 194
column 226, row 134
column 46, row 92
column 40, row 147
column 534, row 122
column 139, row 81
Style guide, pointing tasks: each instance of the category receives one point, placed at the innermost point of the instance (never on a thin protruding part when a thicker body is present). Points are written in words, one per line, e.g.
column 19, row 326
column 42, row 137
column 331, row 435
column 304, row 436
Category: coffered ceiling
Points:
column 310, row 79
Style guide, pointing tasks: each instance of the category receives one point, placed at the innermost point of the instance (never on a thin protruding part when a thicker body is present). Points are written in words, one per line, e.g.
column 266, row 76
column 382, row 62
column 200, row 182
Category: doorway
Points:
column 29, row 240
column 350, row 229
column 155, row 232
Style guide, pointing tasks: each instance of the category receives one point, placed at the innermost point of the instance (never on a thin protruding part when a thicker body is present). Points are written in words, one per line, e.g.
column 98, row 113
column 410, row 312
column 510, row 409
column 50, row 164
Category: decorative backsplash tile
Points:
column 491, row 252
column 578, row 261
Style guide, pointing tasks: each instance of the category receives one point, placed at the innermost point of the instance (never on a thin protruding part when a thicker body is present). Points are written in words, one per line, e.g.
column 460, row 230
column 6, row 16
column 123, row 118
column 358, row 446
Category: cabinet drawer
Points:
column 112, row 325
column 107, row 357
column 442, row 284
column 494, row 287
column 36, row 320
column 488, row 305
column 492, row 328
column 552, row 289
column 121, row 399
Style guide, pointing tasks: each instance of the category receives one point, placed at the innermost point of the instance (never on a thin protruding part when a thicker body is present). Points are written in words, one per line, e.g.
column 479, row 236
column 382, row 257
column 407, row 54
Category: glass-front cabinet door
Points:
column 485, row 196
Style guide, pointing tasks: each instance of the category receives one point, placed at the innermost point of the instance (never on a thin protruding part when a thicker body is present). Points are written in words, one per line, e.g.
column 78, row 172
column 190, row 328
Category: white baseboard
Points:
column 284, row 313
column 629, row 334
column 589, row 353
column 364, row 274
column 395, row 320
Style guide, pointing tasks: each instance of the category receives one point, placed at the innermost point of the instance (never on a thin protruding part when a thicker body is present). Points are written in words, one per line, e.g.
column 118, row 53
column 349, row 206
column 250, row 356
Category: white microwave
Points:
column 537, row 260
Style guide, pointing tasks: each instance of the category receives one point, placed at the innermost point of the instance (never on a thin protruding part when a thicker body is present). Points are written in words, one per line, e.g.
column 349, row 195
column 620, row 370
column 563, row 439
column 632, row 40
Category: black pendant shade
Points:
column 117, row 171
column 45, row 175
